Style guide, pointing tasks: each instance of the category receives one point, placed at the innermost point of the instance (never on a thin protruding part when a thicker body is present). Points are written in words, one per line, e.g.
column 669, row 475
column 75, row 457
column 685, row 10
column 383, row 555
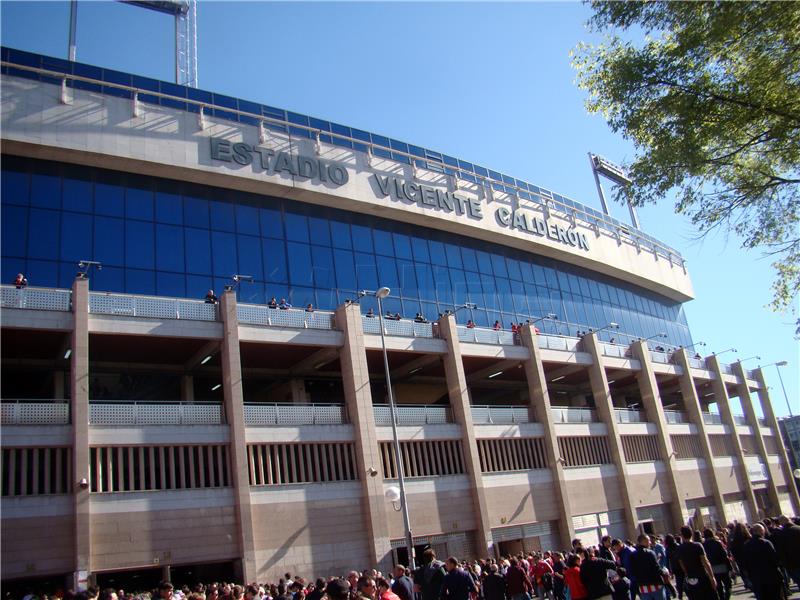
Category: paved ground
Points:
column 740, row 593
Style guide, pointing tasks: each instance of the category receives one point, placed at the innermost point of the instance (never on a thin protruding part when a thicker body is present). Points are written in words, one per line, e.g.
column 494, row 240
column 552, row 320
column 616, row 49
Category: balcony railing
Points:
column 259, row 314
column 762, row 422
column 627, row 415
column 740, row 419
column 140, row 412
column 659, row 357
column 35, row 298
column 152, row 307
column 484, row 335
column 675, row 417
column 615, row 350
column 726, row 369
column 422, row 414
column 500, row 415
column 34, row 412
column 558, row 342
column 279, row 414
column 402, row 328
column 563, row 414
column 712, row 419
column 697, row 363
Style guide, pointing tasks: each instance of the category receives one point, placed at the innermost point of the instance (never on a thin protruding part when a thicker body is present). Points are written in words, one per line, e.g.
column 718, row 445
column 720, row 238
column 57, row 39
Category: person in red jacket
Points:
column 572, row 578
column 385, row 590
column 543, row 576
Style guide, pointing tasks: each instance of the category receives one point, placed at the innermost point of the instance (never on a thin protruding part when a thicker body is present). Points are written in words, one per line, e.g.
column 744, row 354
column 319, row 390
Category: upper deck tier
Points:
column 89, row 115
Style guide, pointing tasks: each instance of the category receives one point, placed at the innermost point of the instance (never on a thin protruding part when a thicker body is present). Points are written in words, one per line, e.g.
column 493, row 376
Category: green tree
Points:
column 709, row 94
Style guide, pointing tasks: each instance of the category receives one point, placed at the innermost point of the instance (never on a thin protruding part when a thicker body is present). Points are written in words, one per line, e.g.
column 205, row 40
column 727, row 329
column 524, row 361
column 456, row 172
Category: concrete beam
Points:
column 311, row 363
column 499, row 366
column 208, row 349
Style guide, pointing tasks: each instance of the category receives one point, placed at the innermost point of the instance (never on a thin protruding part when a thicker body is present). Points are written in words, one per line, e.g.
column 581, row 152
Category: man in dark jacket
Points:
column 494, row 585
column 402, row 584
column 518, row 584
column 457, row 584
column 646, row 570
column 594, row 575
column 429, row 577
column 789, row 551
column 762, row 564
column 720, row 563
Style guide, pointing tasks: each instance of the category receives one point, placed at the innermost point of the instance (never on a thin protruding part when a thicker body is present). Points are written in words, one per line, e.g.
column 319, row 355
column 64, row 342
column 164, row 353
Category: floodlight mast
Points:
column 615, row 173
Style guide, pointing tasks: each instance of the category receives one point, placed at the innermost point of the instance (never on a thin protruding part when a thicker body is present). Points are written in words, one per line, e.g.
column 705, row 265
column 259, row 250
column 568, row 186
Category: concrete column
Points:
column 539, row 405
column 651, row 399
column 772, row 423
column 458, row 393
column 187, row 388
column 691, row 403
column 723, row 401
column 79, row 416
column 234, row 411
column 358, row 397
column 605, row 410
column 743, row 391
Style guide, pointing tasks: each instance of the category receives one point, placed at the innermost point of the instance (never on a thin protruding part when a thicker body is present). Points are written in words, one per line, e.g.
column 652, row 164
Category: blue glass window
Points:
column 195, row 212
column 408, row 278
column 140, row 282
column 139, row 204
column 387, row 273
column 427, row 289
column 110, row 279
column 470, row 259
column 402, row 246
column 383, row 242
column 198, row 251
column 300, row 271
column 197, row 286
column 169, row 249
column 271, row 223
column 514, row 271
column 77, row 195
column 222, row 218
column 247, row 219
column 109, row 243
column 171, row 284
column 223, row 254
column 340, row 235
column 499, row 265
column 43, row 226
column 453, row 254
column 345, row 270
column 444, row 290
column 274, row 253
column 362, row 238
column 42, row 272
column 366, row 272
column 320, row 232
column 169, row 208
column 322, row 261
column 250, row 256
column 459, row 286
column 14, row 187
column 420, row 248
column 76, row 237
column 296, row 227
column 45, row 191
column 15, row 230
column 109, row 200
column 139, row 245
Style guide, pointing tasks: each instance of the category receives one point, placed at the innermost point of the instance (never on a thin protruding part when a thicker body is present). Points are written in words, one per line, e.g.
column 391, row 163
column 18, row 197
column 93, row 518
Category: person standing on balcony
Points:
column 20, row 281
column 273, row 303
column 211, row 297
column 470, row 324
column 370, row 314
column 284, row 305
column 497, row 326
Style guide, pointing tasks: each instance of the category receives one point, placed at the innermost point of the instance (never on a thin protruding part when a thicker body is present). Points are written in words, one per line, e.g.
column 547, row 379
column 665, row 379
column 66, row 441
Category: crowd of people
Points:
column 694, row 565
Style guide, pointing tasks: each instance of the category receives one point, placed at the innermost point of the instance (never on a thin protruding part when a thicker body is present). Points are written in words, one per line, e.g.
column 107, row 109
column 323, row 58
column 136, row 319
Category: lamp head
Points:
column 383, row 292
column 782, row 363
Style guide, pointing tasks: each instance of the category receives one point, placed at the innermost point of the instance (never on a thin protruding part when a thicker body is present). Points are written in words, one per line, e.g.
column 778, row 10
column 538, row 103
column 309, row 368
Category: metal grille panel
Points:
column 501, row 415
column 265, row 414
column 573, row 415
column 627, row 415
column 35, row 298
column 154, row 413
column 151, row 307
column 15, row 412
column 412, row 415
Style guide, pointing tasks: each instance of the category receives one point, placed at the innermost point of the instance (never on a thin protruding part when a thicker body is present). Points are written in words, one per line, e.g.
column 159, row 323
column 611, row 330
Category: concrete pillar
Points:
column 691, row 403
column 772, row 423
column 605, row 411
column 458, row 393
column 539, row 399
column 187, row 388
column 358, row 397
column 79, row 416
column 743, row 391
column 234, row 411
column 723, row 401
column 651, row 399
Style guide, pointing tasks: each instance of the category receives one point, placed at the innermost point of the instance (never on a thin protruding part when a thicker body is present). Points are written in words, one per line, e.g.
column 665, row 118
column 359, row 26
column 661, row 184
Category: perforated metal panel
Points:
column 258, row 314
column 573, row 415
column 614, row 350
column 412, row 415
column 660, row 357
column 154, row 413
column 35, row 298
column 626, row 415
column 481, row 335
column 675, row 416
column 294, row 414
column 501, row 415
column 697, row 363
column 15, row 412
column 712, row 419
column 151, row 307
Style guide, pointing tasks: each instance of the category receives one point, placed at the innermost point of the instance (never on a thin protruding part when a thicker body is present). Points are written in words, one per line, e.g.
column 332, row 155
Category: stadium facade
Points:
column 145, row 429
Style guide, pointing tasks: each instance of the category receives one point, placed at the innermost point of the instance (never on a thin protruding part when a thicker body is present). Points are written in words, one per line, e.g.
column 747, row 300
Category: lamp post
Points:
column 693, row 345
column 734, row 350
column 398, row 457
column 777, row 365
column 741, row 360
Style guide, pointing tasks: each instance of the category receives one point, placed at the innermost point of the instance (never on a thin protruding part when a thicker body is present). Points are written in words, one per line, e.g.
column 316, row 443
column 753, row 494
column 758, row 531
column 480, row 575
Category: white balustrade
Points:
column 712, row 418
column 500, row 415
column 614, row 350
column 726, row 369
column 277, row 414
column 627, row 415
column 259, row 314
column 403, row 327
column 422, row 414
column 740, row 420
column 151, row 307
column 34, row 412
column 483, row 335
column 697, row 363
column 35, row 298
column 558, row 342
column 659, row 357
column 675, row 417
column 135, row 413
column 564, row 414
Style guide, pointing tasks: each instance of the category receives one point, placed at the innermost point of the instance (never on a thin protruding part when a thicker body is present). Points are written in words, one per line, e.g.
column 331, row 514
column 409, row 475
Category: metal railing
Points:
column 726, row 369
column 751, row 373
column 740, row 420
column 615, row 350
column 484, row 335
column 260, row 314
column 628, row 415
column 558, row 342
column 500, row 415
column 402, row 328
column 675, row 417
column 422, row 414
column 33, row 298
column 564, row 414
column 712, row 418
column 529, row 195
column 283, row 414
column 152, row 307
column 155, row 412
column 34, row 412
column 659, row 357
column 697, row 363
column 762, row 422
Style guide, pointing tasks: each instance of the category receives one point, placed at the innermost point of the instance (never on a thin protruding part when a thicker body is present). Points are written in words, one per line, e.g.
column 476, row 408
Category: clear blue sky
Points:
column 489, row 83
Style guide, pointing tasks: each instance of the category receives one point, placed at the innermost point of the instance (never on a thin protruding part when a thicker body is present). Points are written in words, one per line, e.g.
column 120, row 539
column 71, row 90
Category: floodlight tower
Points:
column 615, row 173
column 185, row 13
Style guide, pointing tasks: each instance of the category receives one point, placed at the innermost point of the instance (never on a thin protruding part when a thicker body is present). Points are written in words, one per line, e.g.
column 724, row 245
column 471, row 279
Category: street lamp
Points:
column 781, row 363
column 611, row 325
column 741, row 360
column 658, row 335
column 734, row 350
column 398, row 457
column 693, row 345
column 548, row 316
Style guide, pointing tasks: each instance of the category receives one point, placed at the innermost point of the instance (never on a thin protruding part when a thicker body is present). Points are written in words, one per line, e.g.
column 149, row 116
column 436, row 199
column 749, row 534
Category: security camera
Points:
column 372, row 472
column 84, row 483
